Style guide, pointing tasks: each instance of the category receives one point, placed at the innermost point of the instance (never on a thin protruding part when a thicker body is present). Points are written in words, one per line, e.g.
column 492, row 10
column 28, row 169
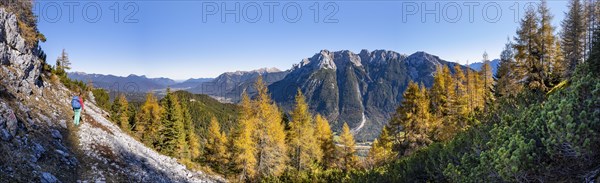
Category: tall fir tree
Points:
column 590, row 21
column 529, row 52
column 120, row 110
column 348, row 158
column 217, row 154
column 594, row 59
column 192, row 140
column 325, row 140
column 506, row 84
column 460, row 102
column 244, row 144
column 302, row 142
column 411, row 124
column 270, row 135
column 487, row 78
column 148, row 121
column 549, row 58
column 172, row 135
column 441, row 96
column 573, row 36
column 439, row 99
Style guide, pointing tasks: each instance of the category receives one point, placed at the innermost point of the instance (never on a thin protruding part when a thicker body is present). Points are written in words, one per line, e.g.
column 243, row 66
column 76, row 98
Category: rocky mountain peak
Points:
column 418, row 58
column 380, row 56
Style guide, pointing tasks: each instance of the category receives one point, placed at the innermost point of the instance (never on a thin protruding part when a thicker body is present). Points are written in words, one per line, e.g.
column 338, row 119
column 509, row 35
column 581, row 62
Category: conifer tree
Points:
column 506, row 83
column 439, row 99
column 120, row 111
column 441, row 96
column 488, row 81
column 348, row 158
column 63, row 64
column 148, row 121
column 573, row 36
column 192, row 140
column 460, row 102
column 590, row 21
column 550, row 56
column 325, row 140
column 216, row 146
column 594, row 59
column 529, row 52
column 270, row 134
column 381, row 150
column 172, row 135
column 303, row 148
column 411, row 121
column 244, row 145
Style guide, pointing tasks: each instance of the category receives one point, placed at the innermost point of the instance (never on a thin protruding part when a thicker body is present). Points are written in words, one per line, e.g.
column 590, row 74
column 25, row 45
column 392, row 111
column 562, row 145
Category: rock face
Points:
column 229, row 86
column 362, row 89
column 21, row 64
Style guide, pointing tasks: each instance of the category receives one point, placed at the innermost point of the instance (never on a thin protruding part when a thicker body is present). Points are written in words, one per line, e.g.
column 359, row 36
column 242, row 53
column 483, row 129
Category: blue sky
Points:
column 189, row 39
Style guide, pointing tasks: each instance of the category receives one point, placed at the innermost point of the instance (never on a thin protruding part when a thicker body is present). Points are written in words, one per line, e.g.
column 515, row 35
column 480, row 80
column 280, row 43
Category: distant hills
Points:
column 477, row 65
column 361, row 89
column 133, row 83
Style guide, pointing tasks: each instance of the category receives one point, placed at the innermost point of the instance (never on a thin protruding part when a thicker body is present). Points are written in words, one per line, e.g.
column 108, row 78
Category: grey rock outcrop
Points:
column 21, row 64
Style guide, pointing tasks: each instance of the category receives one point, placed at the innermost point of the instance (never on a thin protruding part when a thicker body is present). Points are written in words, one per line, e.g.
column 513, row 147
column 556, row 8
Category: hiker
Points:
column 77, row 104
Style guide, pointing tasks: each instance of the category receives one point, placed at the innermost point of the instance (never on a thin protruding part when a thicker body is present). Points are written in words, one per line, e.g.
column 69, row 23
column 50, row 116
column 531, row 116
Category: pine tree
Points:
column 270, row 134
column 244, row 145
column 411, row 123
column 216, row 146
column 63, row 64
column 325, row 140
column 488, row 81
column 573, row 36
column 460, row 104
column 594, row 59
column 559, row 65
column 120, row 110
column 192, row 140
column 439, row 99
column 148, row 121
column 590, row 21
column 506, row 83
column 529, row 52
column 348, row 158
column 304, row 151
column 441, row 94
column 548, row 58
column 172, row 135
column 474, row 90
column 381, row 150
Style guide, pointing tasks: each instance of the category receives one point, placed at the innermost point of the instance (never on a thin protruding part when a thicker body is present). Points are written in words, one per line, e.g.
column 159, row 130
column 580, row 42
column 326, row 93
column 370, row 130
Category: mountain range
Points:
column 361, row 89
column 133, row 83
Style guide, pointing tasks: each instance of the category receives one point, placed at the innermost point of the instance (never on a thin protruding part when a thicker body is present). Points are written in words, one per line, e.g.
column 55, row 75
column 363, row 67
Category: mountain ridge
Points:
column 361, row 89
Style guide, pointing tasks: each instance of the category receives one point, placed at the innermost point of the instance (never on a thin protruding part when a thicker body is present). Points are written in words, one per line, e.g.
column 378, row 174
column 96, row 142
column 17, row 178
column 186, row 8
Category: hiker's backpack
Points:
column 75, row 103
